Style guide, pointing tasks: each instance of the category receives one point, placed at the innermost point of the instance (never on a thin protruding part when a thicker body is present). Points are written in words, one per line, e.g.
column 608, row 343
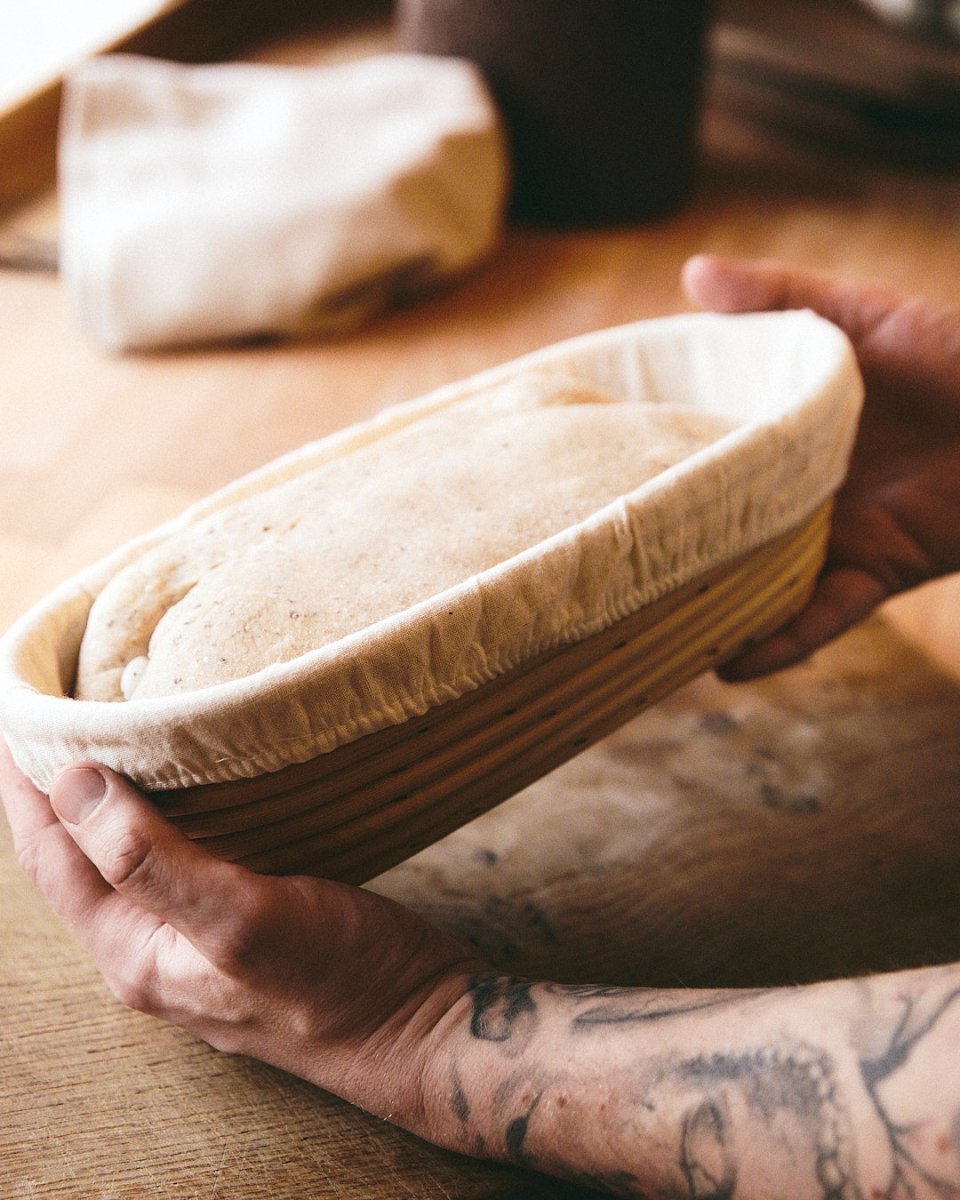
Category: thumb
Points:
column 906, row 346
column 144, row 858
column 762, row 285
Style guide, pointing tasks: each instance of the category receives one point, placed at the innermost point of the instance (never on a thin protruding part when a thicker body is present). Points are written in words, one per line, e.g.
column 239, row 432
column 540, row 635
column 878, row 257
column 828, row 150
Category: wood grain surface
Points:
column 98, row 1103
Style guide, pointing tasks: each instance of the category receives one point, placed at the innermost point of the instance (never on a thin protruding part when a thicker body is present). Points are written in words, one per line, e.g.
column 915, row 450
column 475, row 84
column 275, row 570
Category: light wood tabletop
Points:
column 98, row 1103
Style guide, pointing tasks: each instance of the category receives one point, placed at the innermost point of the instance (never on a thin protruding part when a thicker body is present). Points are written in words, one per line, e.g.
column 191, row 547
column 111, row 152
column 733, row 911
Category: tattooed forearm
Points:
column 839, row 1092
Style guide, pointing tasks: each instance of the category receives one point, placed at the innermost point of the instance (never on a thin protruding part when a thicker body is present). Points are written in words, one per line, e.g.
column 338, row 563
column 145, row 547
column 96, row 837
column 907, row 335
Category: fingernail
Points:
column 77, row 792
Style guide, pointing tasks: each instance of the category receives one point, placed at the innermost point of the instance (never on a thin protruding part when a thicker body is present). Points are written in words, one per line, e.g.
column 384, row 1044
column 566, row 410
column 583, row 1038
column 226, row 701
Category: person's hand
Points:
column 638, row 1091
column 895, row 522
column 332, row 983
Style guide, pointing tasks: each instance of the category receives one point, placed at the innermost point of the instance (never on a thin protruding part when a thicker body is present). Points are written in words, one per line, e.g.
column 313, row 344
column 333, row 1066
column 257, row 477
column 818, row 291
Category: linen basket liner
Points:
column 790, row 377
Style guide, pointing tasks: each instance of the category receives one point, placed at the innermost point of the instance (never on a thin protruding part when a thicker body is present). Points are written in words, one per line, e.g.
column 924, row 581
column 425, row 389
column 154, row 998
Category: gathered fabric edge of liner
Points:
column 181, row 741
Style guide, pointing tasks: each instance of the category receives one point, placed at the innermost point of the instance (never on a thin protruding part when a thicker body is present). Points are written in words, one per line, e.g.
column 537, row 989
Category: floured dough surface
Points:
column 367, row 535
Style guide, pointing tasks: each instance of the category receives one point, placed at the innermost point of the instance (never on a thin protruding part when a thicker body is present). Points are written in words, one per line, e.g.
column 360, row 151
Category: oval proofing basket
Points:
column 667, row 582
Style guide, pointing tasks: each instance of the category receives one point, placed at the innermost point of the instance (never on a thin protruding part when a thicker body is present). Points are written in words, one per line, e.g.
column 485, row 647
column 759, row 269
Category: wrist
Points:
column 393, row 1072
column 491, row 1059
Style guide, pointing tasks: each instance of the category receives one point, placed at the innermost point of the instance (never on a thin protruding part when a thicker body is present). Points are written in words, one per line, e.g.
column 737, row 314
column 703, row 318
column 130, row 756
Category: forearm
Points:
column 844, row 1089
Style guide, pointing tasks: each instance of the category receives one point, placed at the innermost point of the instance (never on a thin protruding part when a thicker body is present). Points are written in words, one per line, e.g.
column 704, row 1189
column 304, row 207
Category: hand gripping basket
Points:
column 352, row 757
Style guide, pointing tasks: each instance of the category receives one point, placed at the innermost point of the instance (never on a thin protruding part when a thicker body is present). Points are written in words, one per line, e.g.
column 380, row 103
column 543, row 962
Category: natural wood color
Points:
column 99, row 1102
column 28, row 145
column 183, row 31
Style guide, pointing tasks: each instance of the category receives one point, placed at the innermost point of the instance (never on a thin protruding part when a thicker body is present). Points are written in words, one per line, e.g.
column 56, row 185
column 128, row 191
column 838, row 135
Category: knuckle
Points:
column 29, row 854
column 240, row 949
column 127, row 858
column 248, row 935
column 134, row 987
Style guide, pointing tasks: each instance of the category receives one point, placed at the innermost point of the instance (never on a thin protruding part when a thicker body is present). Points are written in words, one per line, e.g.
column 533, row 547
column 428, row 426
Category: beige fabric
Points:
column 789, row 383
column 374, row 532
column 213, row 202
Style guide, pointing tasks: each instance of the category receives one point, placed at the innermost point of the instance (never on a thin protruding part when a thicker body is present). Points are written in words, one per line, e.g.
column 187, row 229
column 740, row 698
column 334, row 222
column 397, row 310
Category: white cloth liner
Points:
column 791, row 378
column 201, row 203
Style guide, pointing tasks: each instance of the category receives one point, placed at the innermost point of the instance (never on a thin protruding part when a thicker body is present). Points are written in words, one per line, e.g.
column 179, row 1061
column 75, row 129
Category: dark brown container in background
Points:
column 600, row 97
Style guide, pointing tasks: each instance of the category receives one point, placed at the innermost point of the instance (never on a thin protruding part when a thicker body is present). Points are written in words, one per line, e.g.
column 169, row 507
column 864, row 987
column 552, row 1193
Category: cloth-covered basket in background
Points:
column 214, row 202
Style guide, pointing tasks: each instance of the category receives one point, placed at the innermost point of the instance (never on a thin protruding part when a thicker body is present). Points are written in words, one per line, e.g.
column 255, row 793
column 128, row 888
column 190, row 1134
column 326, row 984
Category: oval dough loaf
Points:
column 371, row 533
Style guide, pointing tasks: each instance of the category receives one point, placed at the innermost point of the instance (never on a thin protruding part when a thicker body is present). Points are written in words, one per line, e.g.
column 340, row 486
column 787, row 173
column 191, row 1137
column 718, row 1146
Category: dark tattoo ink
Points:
column 459, row 1102
column 907, row 1173
column 903, row 1040
column 631, row 1016
column 705, row 1157
column 796, row 1084
column 640, row 1005
column 501, row 1007
column 516, row 1134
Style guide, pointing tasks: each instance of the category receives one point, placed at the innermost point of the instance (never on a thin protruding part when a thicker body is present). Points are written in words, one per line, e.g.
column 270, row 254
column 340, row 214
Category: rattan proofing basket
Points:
column 351, row 806
column 358, row 810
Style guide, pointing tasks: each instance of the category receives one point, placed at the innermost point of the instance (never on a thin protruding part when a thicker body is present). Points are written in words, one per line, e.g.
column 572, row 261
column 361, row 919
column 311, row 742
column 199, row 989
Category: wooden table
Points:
column 98, row 1103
